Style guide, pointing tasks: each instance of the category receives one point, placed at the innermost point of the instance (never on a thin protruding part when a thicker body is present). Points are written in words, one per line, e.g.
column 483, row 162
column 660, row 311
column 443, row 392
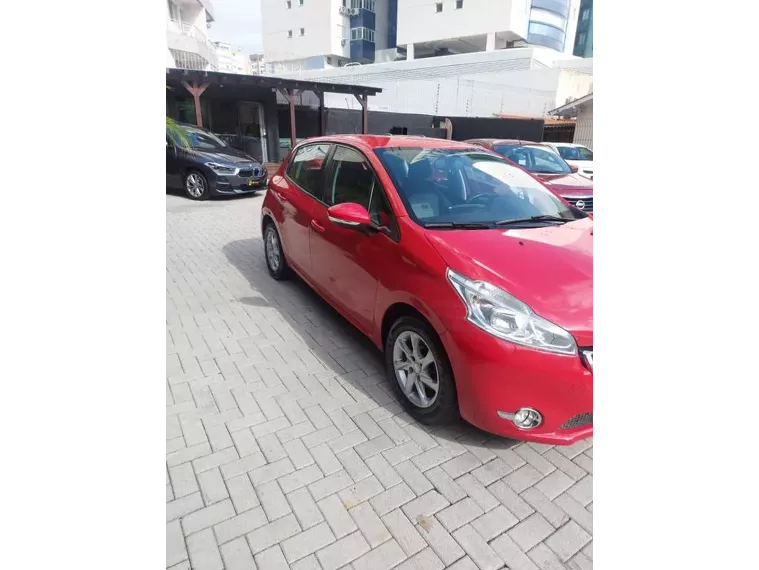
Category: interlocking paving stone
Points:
column 279, row 421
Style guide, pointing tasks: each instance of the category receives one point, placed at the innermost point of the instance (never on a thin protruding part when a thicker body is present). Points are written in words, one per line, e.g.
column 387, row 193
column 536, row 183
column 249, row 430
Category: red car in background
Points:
column 472, row 277
column 547, row 165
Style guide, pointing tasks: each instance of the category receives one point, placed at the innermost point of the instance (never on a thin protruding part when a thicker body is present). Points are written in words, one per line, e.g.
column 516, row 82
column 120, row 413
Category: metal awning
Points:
column 197, row 82
column 571, row 108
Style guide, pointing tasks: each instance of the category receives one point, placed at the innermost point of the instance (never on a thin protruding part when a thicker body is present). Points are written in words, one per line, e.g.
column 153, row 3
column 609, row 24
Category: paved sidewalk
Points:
column 285, row 447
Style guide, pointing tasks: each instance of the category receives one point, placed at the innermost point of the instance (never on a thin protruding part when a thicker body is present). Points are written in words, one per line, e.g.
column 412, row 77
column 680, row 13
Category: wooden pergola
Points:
column 197, row 82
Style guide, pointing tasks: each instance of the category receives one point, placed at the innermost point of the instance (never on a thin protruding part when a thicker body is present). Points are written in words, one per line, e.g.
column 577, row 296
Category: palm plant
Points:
column 175, row 131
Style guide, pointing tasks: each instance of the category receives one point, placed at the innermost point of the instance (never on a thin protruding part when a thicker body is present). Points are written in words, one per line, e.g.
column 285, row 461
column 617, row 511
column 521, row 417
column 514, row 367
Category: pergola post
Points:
column 196, row 91
column 322, row 115
column 364, row 112
column 289, row 94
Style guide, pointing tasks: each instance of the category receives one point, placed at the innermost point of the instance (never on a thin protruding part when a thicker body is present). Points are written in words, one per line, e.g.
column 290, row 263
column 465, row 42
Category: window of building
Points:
column 289, row 4
column 585, row 14
column 329, row 60
column 438, row 7
column 174, row 11
column 362, row 34
column 307, row 168
column 580, row 39
column 300, row 2
column 363, row 5
column 302, row 32
column 459, row 4
column 289, row 34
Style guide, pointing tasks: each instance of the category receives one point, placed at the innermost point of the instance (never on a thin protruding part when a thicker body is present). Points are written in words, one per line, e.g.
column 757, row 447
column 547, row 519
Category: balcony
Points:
column 190, row 47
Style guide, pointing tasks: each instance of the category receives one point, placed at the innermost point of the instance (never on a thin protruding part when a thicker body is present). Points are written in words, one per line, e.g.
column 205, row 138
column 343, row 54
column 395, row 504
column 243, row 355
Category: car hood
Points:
column 226, row 155
column 585, row 164
column 568, row 184
column 549, row 268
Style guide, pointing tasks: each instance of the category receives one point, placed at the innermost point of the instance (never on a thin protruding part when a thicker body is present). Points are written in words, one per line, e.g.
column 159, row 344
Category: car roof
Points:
column 504, row 141
column 370, row 142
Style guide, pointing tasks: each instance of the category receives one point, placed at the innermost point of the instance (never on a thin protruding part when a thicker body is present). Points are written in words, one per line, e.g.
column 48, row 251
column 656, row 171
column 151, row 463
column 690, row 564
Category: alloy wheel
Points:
column 273, row 251
column 416, row 369
column 195, row 185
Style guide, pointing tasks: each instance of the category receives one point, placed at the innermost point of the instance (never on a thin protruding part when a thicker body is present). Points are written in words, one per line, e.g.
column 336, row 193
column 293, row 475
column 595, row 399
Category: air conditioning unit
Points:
column 353, row 11
column 342, row 42
column 343, row 10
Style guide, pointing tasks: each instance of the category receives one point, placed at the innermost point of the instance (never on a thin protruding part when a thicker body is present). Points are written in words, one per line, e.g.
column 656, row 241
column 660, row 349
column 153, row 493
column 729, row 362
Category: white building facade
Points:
column 231, row 59
column 322, row 34
column 465, row 26
column 187, row 40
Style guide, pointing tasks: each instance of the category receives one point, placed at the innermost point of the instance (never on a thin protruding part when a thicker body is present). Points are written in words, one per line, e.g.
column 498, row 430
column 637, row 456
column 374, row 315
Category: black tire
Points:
column 198, row 180
column 281, row 271
column 445, row 408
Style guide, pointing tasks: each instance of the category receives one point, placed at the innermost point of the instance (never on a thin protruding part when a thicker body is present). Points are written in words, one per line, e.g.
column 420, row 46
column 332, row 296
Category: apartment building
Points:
column 584, row 36
column 187, row 24
column 257, row 65
column 466, row 26
column 317, row 34
column 231, row 59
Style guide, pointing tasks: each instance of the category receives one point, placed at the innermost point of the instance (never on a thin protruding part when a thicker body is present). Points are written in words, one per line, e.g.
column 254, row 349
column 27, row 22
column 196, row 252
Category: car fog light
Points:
column 527, row 418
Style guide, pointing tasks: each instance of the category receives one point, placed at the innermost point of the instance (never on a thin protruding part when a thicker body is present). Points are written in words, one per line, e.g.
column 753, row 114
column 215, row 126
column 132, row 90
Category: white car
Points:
column 577, row 155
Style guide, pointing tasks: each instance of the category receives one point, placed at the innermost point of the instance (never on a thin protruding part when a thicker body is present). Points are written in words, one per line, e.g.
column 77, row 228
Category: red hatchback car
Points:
column 473, row 278
column 544, row 163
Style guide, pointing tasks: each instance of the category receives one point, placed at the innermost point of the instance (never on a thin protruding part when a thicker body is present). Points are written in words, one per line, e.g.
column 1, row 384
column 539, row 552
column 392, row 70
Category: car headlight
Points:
column 220, row 168
column 506, row 317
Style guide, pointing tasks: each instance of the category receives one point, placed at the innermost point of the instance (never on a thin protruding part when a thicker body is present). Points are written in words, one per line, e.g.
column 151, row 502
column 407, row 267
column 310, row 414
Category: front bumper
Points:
column 495, row 376
column 235, row 184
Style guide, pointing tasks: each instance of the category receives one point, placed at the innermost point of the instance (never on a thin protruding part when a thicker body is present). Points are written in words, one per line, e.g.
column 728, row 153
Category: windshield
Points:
column 534, row 159
column 202, row 139
column 575, row 153
column 441, row 186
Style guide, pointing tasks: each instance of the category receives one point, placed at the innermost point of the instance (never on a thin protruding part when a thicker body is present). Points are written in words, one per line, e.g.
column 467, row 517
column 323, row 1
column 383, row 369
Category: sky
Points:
column 238, row 22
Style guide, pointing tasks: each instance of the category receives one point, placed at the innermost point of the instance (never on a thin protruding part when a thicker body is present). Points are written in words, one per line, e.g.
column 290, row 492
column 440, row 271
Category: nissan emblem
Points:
column 580, row 204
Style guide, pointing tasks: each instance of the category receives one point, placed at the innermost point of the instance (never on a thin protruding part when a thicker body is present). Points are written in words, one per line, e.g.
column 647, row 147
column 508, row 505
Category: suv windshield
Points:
column 201, row 139
column 534, row 159
column 575, row 153
column 462, row 186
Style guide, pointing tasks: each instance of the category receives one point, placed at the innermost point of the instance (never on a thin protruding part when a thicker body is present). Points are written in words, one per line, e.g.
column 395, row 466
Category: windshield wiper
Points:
column 457, row 225
column 541, row 218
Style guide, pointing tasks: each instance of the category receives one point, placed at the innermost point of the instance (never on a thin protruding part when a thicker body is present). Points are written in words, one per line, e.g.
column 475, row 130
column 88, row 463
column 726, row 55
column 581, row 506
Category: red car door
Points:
column 346, row 263
column 297, row 194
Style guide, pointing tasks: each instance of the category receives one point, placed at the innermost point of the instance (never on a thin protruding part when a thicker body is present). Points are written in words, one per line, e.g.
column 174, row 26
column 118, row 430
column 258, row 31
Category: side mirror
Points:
column 573, row 168
column 350, row 215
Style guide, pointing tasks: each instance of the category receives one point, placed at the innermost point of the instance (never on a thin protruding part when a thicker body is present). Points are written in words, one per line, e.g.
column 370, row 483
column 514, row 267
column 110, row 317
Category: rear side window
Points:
column 306, row 168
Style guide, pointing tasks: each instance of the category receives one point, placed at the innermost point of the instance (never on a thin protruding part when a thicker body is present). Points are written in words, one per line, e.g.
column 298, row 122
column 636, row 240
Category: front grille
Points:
column 586, row 206
column 245, row 173
column 578, row 421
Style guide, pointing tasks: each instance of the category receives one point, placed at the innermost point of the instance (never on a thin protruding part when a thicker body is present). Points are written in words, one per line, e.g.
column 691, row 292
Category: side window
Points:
column 306, row 168
column 353, row 181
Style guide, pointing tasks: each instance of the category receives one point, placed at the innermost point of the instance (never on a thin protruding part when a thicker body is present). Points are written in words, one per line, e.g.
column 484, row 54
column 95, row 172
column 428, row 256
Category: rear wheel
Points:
column 417, row 365
column 275, row 255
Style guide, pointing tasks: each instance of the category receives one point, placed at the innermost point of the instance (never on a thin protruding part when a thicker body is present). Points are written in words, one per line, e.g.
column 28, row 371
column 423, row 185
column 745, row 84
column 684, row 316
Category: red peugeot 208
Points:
column 474, row 279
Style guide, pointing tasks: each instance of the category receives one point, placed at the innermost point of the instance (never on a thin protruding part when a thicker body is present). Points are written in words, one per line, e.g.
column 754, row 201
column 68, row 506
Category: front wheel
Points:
column 275, row 255
column 196, row 185
column 417, row 365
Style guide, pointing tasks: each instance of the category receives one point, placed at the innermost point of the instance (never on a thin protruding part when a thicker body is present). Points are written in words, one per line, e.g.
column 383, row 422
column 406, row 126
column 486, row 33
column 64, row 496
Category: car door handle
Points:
column 281, row 196
column 316, row 226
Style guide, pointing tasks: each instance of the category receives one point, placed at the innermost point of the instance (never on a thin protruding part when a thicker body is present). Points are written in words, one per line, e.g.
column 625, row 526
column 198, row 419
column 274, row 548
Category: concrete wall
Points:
column 525, row 82
column 320, row 20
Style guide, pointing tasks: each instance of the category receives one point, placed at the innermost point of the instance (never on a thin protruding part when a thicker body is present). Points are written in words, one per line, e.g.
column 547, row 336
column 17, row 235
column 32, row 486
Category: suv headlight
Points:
column 220, row 168
column 506, row 317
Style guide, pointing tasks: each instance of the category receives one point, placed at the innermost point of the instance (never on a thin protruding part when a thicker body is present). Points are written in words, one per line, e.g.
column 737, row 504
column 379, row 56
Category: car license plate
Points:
column 252, row 182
